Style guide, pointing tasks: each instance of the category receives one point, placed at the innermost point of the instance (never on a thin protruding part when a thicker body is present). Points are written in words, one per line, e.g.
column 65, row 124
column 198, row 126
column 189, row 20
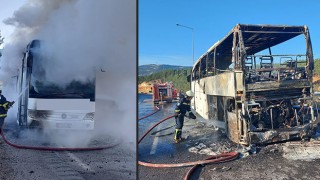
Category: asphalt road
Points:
column 159, row 147
column 275, row 161
column 114, row 163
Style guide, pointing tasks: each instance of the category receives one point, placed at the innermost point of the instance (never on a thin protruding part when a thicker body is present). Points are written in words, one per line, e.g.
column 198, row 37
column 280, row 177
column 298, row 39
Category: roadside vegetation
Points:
column 178, row 77
column 316, row 77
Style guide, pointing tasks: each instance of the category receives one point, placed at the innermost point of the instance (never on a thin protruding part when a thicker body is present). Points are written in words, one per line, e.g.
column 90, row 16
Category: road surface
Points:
column 114, row 163
column 275, row 161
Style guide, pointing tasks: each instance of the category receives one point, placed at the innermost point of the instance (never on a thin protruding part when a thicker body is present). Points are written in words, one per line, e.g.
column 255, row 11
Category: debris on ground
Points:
column 202, row 149
column 302, row 150
column 220, row 169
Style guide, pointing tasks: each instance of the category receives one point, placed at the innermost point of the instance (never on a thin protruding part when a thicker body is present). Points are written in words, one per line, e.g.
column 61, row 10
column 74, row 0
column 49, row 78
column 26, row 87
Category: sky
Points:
column 7, row 9
column 161, row 41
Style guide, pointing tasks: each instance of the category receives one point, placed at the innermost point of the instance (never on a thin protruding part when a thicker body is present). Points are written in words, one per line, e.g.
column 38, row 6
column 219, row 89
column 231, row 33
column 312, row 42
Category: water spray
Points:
column 22, row 92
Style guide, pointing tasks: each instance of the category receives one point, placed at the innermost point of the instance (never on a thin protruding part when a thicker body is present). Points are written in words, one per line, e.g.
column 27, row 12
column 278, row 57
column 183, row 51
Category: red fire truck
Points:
column 164, row 92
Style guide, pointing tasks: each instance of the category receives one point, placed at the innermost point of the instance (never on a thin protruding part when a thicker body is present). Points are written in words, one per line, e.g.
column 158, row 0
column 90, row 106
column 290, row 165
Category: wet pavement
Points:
column 203, row 140
column 159, row 147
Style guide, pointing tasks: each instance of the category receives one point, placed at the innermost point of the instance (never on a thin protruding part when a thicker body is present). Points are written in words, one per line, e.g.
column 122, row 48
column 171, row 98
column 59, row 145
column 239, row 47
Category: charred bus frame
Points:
column 256, row 98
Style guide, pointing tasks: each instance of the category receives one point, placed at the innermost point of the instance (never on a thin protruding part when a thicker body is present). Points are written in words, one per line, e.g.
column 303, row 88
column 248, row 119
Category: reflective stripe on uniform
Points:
column 185, row 103
column 3, row 115
column 177, row 110
column 177, row 131
column 5, row 105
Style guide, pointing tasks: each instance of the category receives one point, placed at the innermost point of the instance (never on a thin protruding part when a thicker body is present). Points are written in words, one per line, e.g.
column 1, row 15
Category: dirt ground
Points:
column 288, row 160
column 268, row 163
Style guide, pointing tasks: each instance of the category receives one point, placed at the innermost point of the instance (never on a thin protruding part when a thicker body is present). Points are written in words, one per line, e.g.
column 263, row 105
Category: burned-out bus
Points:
column 245, row 84
column 48, row 104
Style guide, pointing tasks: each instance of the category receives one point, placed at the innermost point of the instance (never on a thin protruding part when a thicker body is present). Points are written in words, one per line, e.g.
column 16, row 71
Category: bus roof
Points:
column 257, row 37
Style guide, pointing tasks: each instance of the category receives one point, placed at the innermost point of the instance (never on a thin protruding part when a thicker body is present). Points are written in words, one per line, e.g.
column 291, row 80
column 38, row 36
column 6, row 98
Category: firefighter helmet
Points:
column 189, row 94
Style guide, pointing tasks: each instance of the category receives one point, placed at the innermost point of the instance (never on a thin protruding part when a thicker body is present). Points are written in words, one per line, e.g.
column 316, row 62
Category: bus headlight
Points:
column 34, row 114
column 89, row 116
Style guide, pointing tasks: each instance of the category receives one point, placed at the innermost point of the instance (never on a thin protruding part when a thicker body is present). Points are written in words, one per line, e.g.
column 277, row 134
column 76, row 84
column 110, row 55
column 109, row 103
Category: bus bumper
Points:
column 72, row 125
column 278, row 135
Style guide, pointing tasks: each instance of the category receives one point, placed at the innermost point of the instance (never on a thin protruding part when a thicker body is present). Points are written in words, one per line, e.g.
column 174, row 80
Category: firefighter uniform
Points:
column 4, row 107
column 181, row 109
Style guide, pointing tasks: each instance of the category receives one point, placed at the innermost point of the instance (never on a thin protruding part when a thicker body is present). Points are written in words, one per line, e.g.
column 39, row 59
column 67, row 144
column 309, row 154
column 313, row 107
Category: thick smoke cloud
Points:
column 80, row 37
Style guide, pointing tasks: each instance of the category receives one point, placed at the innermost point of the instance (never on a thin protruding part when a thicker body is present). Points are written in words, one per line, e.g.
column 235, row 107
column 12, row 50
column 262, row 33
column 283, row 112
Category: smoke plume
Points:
column 80, row 37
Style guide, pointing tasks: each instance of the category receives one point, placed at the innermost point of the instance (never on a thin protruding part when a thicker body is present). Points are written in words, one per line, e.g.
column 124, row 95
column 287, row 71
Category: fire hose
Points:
column 157, row 110
column 56, row 148
column 220, row 158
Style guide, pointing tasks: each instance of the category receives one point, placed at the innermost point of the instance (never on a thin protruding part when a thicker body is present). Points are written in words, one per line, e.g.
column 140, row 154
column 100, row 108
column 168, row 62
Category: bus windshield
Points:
column 75, row 89
column 40, row 87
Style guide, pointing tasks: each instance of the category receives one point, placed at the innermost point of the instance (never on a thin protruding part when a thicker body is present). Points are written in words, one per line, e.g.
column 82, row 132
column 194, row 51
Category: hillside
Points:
column 148, row 69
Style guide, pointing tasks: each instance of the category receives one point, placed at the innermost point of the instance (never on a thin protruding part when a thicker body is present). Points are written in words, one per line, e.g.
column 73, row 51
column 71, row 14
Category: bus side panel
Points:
column 223, row 84
column 200, row 99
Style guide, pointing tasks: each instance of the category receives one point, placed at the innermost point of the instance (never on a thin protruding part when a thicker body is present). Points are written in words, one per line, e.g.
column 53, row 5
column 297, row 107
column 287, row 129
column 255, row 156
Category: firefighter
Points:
column 4, row 107
column 181, row 109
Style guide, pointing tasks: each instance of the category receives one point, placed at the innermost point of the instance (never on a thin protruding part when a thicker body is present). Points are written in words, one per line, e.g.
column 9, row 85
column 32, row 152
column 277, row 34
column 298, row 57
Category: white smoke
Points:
column 80, row 36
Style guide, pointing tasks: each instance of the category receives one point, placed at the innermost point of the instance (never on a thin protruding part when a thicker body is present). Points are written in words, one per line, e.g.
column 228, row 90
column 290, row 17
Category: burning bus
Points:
column 48, row 104
column 245, row 84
